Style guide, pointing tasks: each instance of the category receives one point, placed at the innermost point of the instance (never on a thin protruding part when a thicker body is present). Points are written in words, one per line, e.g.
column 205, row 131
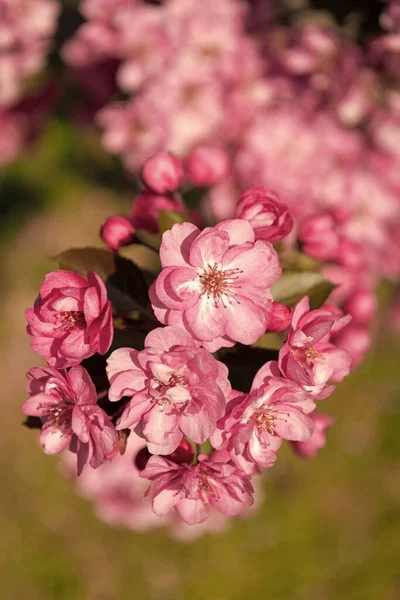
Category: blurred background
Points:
column 328, row 527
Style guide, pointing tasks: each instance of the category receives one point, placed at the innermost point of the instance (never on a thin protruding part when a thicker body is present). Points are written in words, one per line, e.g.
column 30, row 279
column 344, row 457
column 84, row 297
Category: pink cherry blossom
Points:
column 255, row 424
column 269, row 217
column 308, row 356
column 191, row 490
column 175, row 389
column 216, row 283
column 67, row 404
column 71, row 318
column 310, row 447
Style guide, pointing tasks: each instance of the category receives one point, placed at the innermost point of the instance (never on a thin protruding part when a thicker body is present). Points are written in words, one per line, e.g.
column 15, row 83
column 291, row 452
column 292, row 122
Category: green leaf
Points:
column 269, row 341
column 167, row 219
column 291, row 287
column 152, row 240
column 243, row 363
column 125, row 283
column 145, row 258
column 293, row 260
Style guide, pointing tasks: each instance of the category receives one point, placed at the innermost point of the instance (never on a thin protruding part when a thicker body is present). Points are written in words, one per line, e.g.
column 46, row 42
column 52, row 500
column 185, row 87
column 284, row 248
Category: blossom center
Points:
column 60, row 415
column 220, row 284
column 70, row 319
column 266, row 420
column 311, row 355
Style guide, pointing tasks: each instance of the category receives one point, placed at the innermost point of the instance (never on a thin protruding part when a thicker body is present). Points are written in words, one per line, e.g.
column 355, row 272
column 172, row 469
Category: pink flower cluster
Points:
column 300, row 110
column 71, row 321
column 197, row 442
column 26, row 29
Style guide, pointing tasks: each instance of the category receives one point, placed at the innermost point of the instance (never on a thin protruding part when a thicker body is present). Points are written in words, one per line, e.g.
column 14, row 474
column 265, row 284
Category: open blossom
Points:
column 176, row 389
column 308, row 356
column 255, row 424
column 71, row 318
column 269, row 217
column 67, row 404
column 310, row 447
column 216, row 283
column 191, row 490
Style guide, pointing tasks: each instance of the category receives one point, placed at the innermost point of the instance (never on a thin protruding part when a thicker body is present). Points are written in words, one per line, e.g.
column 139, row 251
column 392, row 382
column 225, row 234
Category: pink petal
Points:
column 177, row 288
column 165, row 338
column 293, row 424
column 239, row 231
column 206, row 320
column 175, row 245
column 81, row 383
column 209, row 248
column 134, row 411
column 53, row 440
column 166, row 500
column 245, row 321
column 123, row 359
column 192, row 511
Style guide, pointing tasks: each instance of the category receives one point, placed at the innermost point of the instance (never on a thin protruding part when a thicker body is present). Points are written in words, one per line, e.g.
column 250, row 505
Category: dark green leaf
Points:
column 167, row 219
column 291, row 287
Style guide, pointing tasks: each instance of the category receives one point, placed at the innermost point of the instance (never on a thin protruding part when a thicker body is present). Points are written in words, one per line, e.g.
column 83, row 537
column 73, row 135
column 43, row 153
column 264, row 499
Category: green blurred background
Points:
column 329, row 528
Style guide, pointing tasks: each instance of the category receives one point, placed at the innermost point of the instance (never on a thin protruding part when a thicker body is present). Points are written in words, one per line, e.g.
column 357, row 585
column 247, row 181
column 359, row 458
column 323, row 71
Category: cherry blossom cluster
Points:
column 232, row 72
column 26, row 31
column 161, row 417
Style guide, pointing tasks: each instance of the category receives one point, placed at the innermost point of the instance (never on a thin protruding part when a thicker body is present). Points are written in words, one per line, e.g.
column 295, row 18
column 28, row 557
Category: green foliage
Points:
column 168, row 218
column 291, row 287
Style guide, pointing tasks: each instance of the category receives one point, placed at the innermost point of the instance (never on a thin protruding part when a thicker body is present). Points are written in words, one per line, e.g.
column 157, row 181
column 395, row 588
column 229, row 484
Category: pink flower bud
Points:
column 309, row 448
column 117, row 231
column 269, row 217
column 319, row 236
column 362, row 306
column 350, row 254
column 162, row 172
column 207, row 165
column 146, row 208
column 183, row 453
column 281, row 317
column 356, row 340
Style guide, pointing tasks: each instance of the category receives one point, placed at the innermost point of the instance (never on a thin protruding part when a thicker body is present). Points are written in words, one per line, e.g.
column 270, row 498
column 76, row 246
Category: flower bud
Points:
column 146, row 208
column 162, row 172
column 269, row 217
column 117, row 231
column 281, row 317
column 362, row 306
column 356, row 340
column 183, row 454
column 207, row 165
column 309, row 448
column 319, row 236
